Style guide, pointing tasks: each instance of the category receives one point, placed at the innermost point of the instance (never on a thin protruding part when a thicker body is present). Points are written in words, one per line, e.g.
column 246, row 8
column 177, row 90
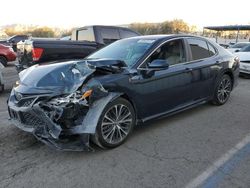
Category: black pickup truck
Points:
column 83, row 42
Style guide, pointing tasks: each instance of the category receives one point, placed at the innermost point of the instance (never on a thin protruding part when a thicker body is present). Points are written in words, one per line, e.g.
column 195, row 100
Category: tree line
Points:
column 167, row 27
column 45, row 32
column 173, row 26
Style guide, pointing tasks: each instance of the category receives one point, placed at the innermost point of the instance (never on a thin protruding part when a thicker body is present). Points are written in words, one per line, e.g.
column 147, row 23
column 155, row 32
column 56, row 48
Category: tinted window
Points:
column 109, row 35
column 86, row 34
column 126, row 33
column 172, row 51
column 212, row 50
column 199, row 48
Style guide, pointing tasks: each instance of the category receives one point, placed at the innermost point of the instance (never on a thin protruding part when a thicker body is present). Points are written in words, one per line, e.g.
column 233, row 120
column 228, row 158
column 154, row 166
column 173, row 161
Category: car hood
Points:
column 62, row 78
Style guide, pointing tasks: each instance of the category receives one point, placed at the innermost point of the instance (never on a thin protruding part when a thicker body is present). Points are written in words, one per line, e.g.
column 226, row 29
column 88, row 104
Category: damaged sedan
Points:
column 101, row 98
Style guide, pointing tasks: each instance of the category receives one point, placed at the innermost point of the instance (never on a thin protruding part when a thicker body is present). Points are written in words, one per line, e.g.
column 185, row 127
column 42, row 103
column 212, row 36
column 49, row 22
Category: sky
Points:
column 75, row 13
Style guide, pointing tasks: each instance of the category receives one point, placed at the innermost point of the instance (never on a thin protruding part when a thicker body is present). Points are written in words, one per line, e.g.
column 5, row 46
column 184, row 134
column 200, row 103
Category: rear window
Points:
column 86, row 34
column 199, row 49
column 109, row 35
column 126, row 33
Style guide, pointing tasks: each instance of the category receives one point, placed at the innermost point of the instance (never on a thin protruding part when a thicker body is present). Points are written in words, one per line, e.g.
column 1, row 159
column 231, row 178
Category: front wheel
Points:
column 223, row 90
column 115, row 124
column 3, row 61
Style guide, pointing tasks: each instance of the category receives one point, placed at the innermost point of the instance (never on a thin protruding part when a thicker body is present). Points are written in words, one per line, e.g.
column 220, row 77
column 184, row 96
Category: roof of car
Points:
column 169, row 36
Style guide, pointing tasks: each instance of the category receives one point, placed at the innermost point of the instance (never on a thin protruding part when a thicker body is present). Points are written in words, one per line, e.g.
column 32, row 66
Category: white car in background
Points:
column 244, row 56
column 236, row 47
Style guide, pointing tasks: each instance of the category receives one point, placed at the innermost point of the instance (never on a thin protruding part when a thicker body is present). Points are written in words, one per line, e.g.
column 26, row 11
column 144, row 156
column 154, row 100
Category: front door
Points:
column 166, row 89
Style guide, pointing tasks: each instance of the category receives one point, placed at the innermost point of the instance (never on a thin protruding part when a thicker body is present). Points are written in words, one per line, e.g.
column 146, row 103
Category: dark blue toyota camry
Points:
column 101, row 98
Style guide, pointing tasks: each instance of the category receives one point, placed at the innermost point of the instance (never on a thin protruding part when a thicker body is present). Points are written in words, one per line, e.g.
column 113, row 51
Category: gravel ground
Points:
column 164, row 153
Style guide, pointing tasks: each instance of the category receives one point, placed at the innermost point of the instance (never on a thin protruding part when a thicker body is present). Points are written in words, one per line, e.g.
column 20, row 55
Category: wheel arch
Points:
column 230, row 74
column 126, row 96
column 5, row 58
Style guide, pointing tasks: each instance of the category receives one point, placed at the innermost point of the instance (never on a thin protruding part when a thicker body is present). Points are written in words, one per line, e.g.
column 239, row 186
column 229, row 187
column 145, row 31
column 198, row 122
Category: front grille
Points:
column 14, row 114
column 31, row 120
column 25, row 102
column 26, row 118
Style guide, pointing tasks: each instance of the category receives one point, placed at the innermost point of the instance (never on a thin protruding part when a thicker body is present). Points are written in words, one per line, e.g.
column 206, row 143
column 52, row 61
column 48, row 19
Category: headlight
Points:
column 87, row 94
column 17, row 83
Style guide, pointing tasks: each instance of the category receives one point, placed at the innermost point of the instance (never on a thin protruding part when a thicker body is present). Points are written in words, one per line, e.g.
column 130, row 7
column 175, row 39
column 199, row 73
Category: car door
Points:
column 167, row 89
column 202, row 60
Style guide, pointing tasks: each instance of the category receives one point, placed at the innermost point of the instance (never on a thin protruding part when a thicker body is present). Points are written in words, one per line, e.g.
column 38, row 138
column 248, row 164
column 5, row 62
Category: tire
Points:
column 3, row 61
column 222, row 90
column 115, row 124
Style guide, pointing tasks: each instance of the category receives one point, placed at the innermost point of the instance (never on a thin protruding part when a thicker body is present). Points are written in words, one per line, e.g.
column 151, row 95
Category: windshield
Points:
column 127, row 50
column 245, row 49
column 240, row 45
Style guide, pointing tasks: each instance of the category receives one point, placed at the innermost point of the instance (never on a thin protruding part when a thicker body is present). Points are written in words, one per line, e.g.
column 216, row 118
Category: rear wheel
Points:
column 223, row 90
column 3, row 61
column 115, row 124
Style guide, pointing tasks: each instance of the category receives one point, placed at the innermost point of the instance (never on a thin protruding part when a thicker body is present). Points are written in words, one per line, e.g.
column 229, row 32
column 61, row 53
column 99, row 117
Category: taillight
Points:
column 36, row 53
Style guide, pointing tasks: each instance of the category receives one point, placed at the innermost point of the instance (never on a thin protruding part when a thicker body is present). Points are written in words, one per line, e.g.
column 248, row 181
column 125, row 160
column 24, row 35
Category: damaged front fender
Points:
column 81, row 131
column 92, row 117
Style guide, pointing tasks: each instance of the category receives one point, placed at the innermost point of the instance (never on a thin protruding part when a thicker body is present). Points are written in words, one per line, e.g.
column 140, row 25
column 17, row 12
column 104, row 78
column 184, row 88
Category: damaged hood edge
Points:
column 61, row 78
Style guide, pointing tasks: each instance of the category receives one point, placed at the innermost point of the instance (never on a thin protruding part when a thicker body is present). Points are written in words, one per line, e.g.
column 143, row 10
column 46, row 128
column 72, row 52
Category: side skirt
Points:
column 176, row 110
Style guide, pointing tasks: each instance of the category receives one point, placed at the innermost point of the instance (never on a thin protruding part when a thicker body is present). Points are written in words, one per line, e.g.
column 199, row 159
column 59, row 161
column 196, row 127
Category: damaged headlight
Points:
column 93, row 91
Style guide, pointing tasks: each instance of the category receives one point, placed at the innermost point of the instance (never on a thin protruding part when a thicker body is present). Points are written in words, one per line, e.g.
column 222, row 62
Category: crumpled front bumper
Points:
column 34, row 120
column 29, row 117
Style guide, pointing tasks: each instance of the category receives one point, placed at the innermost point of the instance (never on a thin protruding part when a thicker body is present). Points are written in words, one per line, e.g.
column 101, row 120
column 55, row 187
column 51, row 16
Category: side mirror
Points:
column 237, row 50
column 158, row 64
column 155, row 65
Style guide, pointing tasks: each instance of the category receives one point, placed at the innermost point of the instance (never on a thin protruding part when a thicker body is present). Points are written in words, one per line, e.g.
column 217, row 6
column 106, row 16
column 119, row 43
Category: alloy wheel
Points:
column 224, row 89
column 116, row 124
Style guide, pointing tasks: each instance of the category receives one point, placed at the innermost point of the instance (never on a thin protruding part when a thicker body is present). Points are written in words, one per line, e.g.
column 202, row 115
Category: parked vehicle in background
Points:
column 1, row 78
column 126, row 83
column 12, row 41
column 236, row 47
column 66, row 38
column 6, row 54
column 244, row 56
column 84, row 41
column 224, row 45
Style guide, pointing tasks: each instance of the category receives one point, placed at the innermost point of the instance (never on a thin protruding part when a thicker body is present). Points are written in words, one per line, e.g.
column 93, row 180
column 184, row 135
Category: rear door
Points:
column 203, row 58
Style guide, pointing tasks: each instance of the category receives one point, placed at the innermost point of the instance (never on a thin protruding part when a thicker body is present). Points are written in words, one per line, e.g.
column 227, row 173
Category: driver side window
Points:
column 173, row 52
